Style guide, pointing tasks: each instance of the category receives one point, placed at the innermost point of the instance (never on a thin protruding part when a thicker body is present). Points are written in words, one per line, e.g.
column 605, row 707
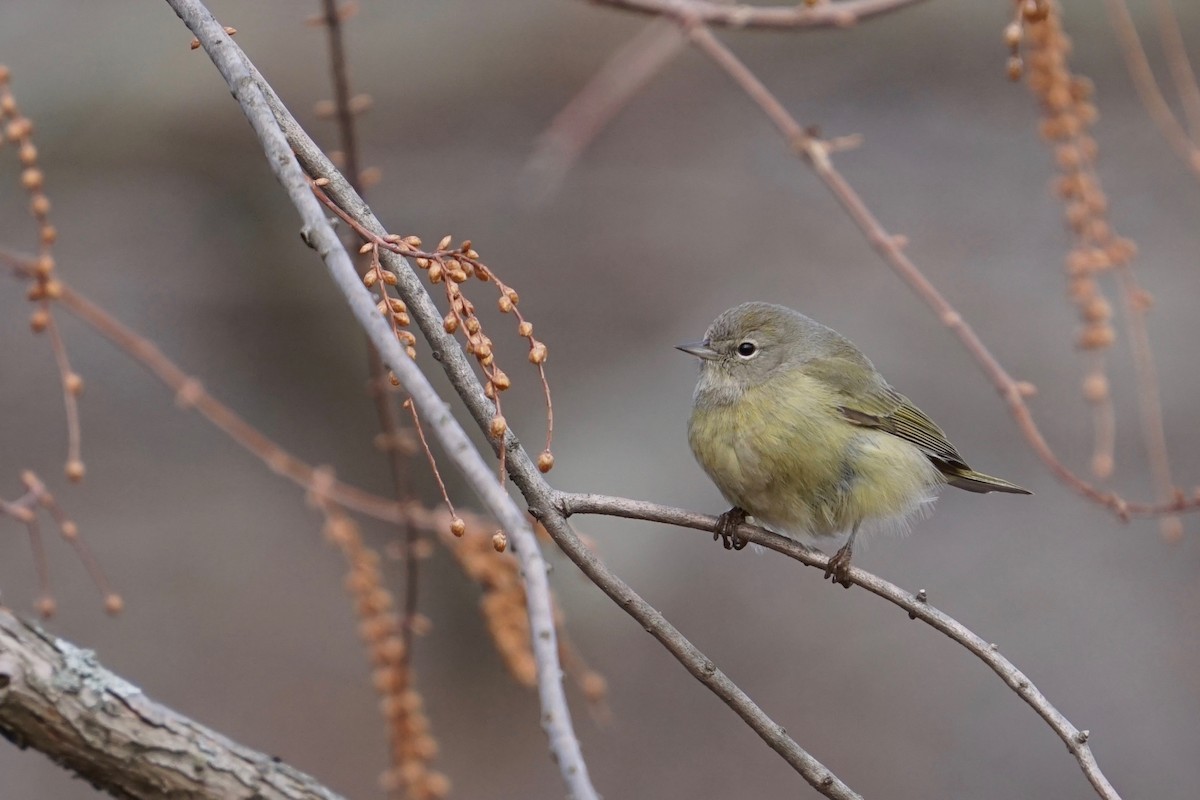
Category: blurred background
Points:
column 687, row 204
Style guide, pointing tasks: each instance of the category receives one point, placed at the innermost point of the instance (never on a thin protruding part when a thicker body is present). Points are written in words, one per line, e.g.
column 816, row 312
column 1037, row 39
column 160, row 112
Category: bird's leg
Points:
column 727, row 525
column 839, row 566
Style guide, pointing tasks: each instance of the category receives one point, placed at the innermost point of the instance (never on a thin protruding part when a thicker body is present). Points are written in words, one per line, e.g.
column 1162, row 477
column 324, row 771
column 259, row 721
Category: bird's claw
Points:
column 727, row 529
column 838, row 569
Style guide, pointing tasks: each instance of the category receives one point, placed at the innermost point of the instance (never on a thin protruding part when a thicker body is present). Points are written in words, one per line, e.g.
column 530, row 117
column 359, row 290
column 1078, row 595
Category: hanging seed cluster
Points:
column 17, row 132
column 25, row 510
column 413, row 746
column 1027, row 12
column 1068, row 113
column 453, row 267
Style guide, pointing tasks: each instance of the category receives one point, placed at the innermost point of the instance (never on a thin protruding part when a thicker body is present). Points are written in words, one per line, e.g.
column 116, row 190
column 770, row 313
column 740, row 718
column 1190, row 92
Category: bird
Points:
column 799, row 431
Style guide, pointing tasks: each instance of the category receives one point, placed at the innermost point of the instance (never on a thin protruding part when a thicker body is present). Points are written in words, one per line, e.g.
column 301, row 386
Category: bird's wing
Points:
column 865, row 399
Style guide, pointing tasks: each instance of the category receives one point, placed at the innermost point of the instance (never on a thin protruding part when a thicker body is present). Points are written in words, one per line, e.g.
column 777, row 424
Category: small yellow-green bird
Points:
column 798, row 429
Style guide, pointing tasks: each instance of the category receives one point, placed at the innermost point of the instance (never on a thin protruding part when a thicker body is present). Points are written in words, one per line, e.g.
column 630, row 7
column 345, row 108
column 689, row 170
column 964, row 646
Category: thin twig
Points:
column 833, row 14
column 1147, row 86
column 1182, row 73
column 581, row 120
column 916, row 605
column 251, row 93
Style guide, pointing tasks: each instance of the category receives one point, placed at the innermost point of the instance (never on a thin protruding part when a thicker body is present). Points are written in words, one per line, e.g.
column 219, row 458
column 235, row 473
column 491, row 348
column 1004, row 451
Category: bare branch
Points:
column 916, row 605
column 623, row 75
column 1183, row 75
column 1147, row 86
column 250, row 90
column 822, row 15
column 529, row 480
column 57, row 699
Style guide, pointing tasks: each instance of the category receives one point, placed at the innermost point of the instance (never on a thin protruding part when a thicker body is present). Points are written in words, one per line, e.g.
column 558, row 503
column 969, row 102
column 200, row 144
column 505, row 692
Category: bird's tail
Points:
column 972, row 481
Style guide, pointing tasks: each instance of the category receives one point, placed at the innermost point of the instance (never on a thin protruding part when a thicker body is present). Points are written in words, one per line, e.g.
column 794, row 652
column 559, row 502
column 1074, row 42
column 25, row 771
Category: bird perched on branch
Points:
column 798, row 429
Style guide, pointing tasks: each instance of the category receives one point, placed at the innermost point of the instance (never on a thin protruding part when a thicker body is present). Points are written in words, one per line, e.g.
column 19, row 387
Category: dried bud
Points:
column 1013, row 68
column 393, row 379
column 498, row 426
column 401, row 319
column 370, row 278
column 501, row 380
column 472, row 324
column 545, row 461
column 396, row 304
column 1121, row 251
column 412, row 352
column 1012, row 34
column 450, row 323
column 38, row 321
column 435, row 272
column 389, row 277
column 73, row 383
column 489, row 391
column 75, row 470
column 366, row 248
column 32, row 179
column 525, row 329
column 1095, row 337
column 537, row 353
column 1098, row 309
column 1095, row 387
column 499, row 541
column 412, row 241
column 46, row 607
column 445, row 242
column 113, row 604
column 594, row 687
column 40, row 205
column 457, row 526
column 1102, row 465
column 423, row 263
column 458, row 275
column 513, row 297
column 505, row 304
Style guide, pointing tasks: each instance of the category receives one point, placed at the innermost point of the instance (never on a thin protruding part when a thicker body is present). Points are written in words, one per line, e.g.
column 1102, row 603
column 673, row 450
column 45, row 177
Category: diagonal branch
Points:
column 250, row 92
column 525, row 474
column 56, row 698
column 916, row 605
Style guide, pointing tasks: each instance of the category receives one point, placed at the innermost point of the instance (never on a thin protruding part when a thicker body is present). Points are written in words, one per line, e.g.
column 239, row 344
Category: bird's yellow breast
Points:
column 783, row 452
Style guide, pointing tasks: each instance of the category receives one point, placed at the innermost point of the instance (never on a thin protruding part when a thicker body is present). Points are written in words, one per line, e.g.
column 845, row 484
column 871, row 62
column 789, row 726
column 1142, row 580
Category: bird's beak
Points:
column 698, row 349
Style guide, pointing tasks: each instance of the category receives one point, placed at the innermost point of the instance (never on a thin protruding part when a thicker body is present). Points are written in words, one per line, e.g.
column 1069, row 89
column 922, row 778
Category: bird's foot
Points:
column 838, row 569
column 727, row 529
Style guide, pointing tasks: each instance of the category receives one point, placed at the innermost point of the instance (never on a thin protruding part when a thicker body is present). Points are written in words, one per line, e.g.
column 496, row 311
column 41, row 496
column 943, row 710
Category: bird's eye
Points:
column 747, row 349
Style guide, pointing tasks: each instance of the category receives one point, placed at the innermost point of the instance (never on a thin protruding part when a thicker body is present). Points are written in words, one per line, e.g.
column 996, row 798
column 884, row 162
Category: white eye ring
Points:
column 747, row 349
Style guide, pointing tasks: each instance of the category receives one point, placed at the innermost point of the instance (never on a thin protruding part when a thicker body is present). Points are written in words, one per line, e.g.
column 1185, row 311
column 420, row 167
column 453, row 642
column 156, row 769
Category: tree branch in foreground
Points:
column 57, row 699
column 251, row 93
